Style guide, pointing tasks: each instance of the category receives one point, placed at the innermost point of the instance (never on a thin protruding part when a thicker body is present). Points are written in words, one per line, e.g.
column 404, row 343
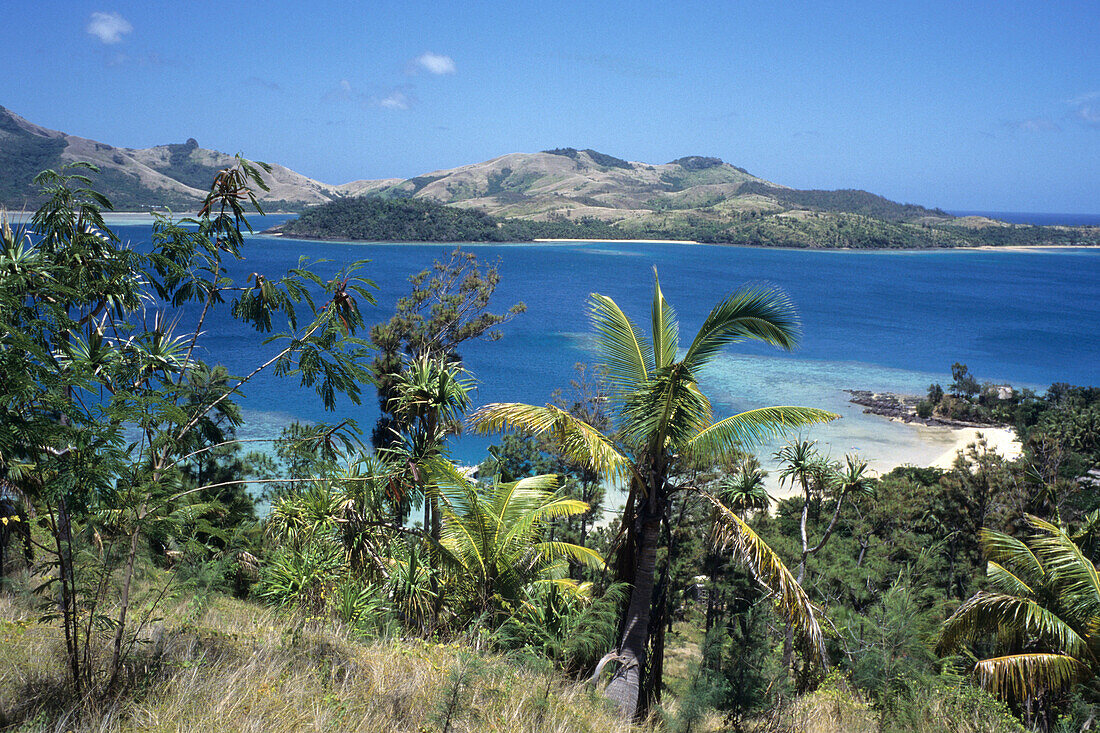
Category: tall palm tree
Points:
column 1042, row 605
column 664, row 422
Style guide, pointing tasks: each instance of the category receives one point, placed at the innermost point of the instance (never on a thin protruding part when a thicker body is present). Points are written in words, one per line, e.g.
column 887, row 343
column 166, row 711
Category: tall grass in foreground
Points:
column 240, row 667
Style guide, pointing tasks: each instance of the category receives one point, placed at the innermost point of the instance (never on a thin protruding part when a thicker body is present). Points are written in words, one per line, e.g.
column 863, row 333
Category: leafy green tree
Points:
column 963, row 383
column 447, row 306
column 85, row 353
column 744, row 491
column 663, row 420
column 494, row 545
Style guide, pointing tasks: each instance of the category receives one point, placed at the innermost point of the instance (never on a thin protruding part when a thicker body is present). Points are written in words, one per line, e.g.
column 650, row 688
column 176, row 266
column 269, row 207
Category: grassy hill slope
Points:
column 175, row 175
column 232, row 665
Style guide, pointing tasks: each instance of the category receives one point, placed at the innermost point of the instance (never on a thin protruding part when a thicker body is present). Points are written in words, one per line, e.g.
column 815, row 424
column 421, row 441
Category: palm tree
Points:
column 664, row 422
column 493, row 539
column 1042, row 605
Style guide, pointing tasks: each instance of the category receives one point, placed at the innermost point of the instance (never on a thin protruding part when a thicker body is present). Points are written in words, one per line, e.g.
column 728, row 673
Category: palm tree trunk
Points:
column 626, row 684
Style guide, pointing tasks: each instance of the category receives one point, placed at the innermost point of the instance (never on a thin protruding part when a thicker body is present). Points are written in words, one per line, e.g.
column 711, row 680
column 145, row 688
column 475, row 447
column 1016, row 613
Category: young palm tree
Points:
column 494, row 543
column 663, row 421
column 1043, row 607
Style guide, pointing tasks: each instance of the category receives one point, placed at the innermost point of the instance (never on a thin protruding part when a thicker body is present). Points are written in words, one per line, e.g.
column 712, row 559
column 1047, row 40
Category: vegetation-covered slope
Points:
column 418, row 220
column 559, row 193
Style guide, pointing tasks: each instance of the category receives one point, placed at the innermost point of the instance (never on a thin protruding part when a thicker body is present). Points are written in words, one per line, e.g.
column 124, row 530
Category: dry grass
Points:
column 240, row 667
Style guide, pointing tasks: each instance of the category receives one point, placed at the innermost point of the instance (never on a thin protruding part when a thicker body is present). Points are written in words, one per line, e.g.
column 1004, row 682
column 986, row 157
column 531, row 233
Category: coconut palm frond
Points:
column 666, row 329
column 1069, row 569
column 1009, row 613
column 628, row 356
column 764, row 314
column 577, row 440
column 752, row 428
column 1012, row 554
column 1004, row 581
column 666, row 411
column 1023, row 675
column 495, row 536
column 767, row 567
column 580, row 553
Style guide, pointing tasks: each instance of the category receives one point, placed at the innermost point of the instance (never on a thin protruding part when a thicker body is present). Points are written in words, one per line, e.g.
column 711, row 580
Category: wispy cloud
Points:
column 433, row 63
column 108, row 27
column 1086, row 109
column 344, row 92
column 1033, row 124
column 151, row 59
column 399, row 98
column 624, row 66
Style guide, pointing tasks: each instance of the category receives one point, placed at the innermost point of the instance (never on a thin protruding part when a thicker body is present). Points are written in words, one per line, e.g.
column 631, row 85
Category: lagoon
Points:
column 887, row 321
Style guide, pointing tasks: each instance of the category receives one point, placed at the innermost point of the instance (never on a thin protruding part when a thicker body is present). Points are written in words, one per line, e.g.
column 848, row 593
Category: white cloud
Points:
column 396, row 99
column 434, row 63
column 108, row 27
column 1089, row 114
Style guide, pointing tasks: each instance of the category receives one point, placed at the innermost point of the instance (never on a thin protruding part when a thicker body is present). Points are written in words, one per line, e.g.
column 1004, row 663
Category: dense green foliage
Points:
column 698, row 163
column 829, row 226
column 122, row 484
column 404, row 220
column 845, row 200
column 22, row 157
column 601, row 159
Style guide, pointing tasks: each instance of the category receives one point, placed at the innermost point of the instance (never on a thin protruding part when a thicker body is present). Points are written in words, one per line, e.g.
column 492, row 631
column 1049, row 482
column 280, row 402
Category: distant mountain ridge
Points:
column 559, row 192
column 176, row 175
column 565, row 182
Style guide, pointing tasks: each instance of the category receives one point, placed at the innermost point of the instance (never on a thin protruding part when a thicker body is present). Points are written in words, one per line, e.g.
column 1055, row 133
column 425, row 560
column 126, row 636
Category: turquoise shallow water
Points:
column 871, row 320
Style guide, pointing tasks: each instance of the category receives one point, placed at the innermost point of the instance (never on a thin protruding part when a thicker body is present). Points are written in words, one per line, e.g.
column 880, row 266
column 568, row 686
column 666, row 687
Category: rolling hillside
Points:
column 564, row 192
column 167, row 175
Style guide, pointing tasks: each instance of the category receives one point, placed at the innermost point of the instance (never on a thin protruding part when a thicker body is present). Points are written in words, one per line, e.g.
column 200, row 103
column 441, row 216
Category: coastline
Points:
column 629, row 241
column 933, row 438
column 999, row 440
column 743, row 245
column 124, row 217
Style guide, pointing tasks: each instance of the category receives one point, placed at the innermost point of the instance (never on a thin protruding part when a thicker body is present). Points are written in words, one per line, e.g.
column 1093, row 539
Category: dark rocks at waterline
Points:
column 904, row 408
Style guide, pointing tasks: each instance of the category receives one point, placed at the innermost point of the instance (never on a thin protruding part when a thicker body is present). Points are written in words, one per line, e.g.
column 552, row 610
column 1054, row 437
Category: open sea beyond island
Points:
column 885, row 321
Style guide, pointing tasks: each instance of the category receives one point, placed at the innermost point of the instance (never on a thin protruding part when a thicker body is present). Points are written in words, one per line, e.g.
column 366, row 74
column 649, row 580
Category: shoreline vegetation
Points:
column 376, row 219
column 975, row 412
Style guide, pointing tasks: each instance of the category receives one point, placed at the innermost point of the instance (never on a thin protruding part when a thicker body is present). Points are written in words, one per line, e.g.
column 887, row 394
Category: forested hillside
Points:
column 423, row 220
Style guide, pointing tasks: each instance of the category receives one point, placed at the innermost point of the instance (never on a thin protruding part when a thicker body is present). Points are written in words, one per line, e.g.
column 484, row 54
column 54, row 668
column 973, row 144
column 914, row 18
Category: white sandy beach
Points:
column 934, row 446
column 1000, row 440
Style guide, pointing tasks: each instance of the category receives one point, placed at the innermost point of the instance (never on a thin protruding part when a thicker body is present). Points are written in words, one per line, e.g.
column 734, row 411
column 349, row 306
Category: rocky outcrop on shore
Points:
column 904, row 408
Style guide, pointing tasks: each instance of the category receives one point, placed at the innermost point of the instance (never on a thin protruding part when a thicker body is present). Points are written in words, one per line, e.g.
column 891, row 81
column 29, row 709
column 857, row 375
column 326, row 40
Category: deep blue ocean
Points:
column 871, row 320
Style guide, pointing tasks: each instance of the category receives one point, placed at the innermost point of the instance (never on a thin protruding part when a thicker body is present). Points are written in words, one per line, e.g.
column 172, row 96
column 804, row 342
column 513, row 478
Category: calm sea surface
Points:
column 883, row 321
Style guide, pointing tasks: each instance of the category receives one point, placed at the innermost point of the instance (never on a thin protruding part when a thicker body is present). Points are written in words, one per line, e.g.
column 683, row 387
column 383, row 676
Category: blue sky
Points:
column 962, row 105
